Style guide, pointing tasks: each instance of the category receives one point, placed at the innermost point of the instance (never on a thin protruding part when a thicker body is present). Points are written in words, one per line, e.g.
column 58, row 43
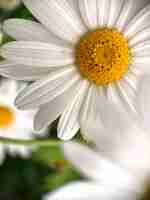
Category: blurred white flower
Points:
column 121, row 176
column 81, row 70
column 9, row 4
column 14, row 124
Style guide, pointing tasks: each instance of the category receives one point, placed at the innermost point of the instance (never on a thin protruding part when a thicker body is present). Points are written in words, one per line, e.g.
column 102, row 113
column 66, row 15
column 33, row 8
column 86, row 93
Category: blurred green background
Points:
column 46, row 170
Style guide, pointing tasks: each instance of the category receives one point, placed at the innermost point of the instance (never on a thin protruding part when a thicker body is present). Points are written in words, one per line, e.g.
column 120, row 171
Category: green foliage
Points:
column 63, row 171
column 22, row 179
column 19, row 12
column 31, row 178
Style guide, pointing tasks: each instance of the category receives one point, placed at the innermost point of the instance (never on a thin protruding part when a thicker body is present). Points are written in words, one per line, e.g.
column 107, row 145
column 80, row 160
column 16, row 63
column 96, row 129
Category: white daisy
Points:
column 122, row 176
column 14, row 124
column 85, row 57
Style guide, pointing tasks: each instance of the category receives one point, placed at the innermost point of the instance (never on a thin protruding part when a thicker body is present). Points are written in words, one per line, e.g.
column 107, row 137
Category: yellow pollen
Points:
column 6, row 117
column 103, row 56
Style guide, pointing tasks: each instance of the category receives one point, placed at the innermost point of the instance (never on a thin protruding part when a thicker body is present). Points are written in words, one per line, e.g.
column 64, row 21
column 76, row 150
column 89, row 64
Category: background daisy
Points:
column 13, row 123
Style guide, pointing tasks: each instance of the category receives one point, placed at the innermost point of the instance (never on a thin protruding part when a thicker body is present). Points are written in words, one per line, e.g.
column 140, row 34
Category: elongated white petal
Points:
column 138, row 22
column 139, row 70
column 47, row 88
column 114, row 11
column 37, row 54
column 129, row 11
column 103, row 10
column 142, row 49
column 122, row 97
column 22, row 72
column 142, row 60
column 85, row 160
column 91, row 190
column 52, row 110
column 128, row 94
column 94, row 119
column 140, row 38
column 86, row 191
column 8, row 88
column 21, row 29
column 131, row 79
column 100, row 115
column 88, row 9
column 69, row 121
column 90, row 116
column 96, row 167
column 125, row 13
column 143, row 100
column 58, row 16
column 133, row 152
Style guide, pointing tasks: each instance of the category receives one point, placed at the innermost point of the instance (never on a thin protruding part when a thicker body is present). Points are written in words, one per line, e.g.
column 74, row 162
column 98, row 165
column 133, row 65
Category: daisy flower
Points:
column 84, row 57
column 122, row 176
column 13, row 123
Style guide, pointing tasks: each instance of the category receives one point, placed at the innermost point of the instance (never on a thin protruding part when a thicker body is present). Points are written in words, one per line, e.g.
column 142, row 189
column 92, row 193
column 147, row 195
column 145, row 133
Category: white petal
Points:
column 52, row 110
column 103, row 10
column 37, row 54
column 126, row 97
column 142, row 60
column 131, row 79
column 97, row 191
column 59, row 17
column 133, row 152
column 137, row 23
column 143, row 100
column 139, row 70
column 115, row 9
column 90, row 116
column 140, row 38
column 21, row 150
column 8, row 88
column 22, row 72
column 142, row 49
column 88, row 9
column 128, row 94
column 88, row 162
column 129, row 10
column 122, row 96
column 124, row 15
column 68, row 124
column 100, row 115
column 21, row 29
column 92, row 120
column 93, row 166
column 48, row 88
column 76, row 191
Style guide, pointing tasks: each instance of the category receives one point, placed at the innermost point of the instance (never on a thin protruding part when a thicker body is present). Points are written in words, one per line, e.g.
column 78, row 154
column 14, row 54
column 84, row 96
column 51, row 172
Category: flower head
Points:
column 85, row 61
column 13, row 123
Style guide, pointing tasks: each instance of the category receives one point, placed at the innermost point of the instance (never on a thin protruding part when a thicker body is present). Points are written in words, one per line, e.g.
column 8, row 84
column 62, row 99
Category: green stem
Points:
column 35, row 142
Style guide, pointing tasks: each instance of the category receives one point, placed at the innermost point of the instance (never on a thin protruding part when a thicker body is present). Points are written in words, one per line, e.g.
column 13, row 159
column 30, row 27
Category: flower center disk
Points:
column 6, row 117
column 103, row 56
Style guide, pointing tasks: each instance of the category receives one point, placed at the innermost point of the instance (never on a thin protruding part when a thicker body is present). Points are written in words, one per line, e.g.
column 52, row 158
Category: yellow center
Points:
column 6, row 117
column 103, row 56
